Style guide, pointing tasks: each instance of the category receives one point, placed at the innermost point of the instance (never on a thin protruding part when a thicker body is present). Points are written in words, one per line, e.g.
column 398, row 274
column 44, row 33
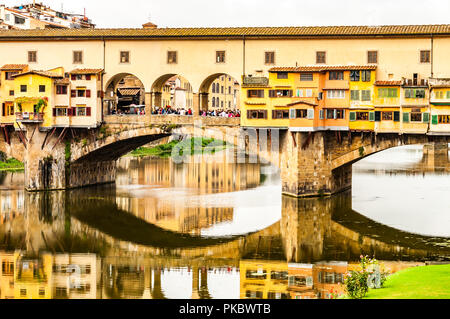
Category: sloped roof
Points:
column 323, row 68
column 388, row 83
column 42, row 73
column 86, row 71
column 13, row 67
column 238, row 32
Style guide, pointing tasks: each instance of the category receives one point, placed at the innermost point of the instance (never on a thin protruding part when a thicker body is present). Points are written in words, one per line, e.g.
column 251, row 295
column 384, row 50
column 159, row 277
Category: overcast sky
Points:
column 223, row 13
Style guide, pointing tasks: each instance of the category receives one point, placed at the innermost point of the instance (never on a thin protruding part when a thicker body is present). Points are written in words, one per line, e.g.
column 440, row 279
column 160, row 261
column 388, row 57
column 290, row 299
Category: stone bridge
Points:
column 312, row 164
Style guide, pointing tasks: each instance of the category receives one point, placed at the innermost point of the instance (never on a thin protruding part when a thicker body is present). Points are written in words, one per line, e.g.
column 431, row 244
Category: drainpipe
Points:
column 243, row 57
column 432, row 51
column 104, row 71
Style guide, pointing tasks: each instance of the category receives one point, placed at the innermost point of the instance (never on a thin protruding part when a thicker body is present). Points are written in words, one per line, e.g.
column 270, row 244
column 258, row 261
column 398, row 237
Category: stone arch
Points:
column 173, row 90
column 123, row 90
column 229, row 98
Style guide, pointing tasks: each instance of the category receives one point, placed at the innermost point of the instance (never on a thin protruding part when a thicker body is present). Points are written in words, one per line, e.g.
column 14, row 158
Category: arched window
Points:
column 213, row 88
column 213, row 100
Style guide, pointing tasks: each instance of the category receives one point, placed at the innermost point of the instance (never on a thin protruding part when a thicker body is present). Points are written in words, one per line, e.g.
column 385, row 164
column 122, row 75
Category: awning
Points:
column 129, row 92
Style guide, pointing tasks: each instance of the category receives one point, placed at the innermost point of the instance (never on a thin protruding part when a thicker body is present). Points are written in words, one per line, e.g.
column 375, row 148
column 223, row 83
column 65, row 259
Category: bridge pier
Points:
column 306, row 166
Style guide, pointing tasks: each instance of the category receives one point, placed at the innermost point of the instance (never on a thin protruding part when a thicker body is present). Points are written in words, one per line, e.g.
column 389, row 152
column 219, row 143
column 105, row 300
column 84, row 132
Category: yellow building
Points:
column 362, row 116
column 7, row 91
column 33, row 277
column 224, row 94
column 415, row 106
column 264, row 279
column 387, row 106
column 439, row 106
column 35, row 95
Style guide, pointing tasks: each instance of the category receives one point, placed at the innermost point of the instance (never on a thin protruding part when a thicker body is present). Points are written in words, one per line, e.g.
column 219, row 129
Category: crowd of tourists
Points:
column 180, row 111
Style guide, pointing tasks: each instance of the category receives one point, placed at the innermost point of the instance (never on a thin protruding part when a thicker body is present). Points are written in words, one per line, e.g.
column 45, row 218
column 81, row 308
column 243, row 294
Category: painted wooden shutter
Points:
column 405, row 117
column 377, row 116
column 310, row 114
column 88, row 93
column 3, row 109
column 321, row 114
column 396, row 116
column 73, row 77
column 407, row 93
column 434, row 119
column 73, row 93
column 54, row 111
column 88, row 111
column 371, row 116
column 352, row 116
column 334, row 114
column 292, row 113
column 69, row 111
column 426, row 117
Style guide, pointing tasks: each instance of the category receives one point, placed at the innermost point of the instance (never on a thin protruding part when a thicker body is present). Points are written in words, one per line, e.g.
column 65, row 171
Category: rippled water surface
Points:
column 218, row 230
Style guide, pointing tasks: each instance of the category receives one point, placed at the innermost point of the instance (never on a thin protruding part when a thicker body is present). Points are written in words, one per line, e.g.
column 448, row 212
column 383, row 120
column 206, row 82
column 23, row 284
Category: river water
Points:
column 220, row 230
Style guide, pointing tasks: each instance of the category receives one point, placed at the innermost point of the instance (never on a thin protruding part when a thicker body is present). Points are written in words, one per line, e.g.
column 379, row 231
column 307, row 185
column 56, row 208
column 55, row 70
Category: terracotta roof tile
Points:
column 42, row 73
column 312, row 31
column 388, row 83
column 14, row 67
column 86, row 71
column 323, row 68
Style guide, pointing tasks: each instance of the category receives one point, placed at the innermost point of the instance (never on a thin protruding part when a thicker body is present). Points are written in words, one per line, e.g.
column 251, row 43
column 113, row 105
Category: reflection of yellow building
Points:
column 11, row 204
column 328, row 278
column 300, row 283
column 264, row 279
column 7, row 274
column 75, row 276
column 33, row 277
column 7, row 91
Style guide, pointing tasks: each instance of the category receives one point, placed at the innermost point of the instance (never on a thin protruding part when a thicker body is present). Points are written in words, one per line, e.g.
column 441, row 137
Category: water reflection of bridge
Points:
column 309, row 232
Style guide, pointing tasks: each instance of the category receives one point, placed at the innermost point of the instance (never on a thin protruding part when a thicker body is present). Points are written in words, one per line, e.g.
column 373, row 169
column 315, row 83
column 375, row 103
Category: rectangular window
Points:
column 372, row 56
column 81, row 93
column 416, row 117
column 9, row 75
column 365, row 76
column 11, row 93
column 386, row 116
column 355, row 76
column 336, row 94
column 80, row 111
column 362, row 116
column 354, row 95
column 32, row 56
column 282, row 75
column 61, row 89
column 23, row 88
column 269, row 57
column 425, row 56
column 255, row 93
column 88, row 77
column 301, row 114
column 306, row 76
column 329, row 114
column 321, row 57
column 124, row 56
column 280, row 93
column 336, row 75
column 438, row 95
column 365, row 95
column 41, row 88
column 257, row 114
column 444, row 119
column 280, row 114
column 309, row 92
column 60, row 111
column 220, row 56
column 77, row 57
column 172, row 57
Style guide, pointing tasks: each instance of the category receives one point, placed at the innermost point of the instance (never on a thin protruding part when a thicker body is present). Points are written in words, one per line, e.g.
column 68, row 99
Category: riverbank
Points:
column 11, row 164
column 426, row 282
column 205, row 145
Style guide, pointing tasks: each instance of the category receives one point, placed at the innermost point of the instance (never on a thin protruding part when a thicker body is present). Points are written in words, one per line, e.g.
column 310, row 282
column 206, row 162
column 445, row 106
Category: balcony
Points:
column 26, row 117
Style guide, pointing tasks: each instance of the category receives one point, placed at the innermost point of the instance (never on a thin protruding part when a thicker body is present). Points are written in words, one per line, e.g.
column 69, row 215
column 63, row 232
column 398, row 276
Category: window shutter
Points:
column 334, row 114
column 396, row 116
column 405, row 117
column 88, row 93
column 321, row 114
column 88, row 111
column 290, row 93
column 426, row 117
column 310, row 114
column 371, row 116
column 271, row 93
column 54, row 112
column 292, row 113
column 273, row 115
column 69, row 111
column 3, row 109
column 352, row 116
column 434, row 119
column 73, row 93
column 73, row 77
column 248, row 114
column 407, row 93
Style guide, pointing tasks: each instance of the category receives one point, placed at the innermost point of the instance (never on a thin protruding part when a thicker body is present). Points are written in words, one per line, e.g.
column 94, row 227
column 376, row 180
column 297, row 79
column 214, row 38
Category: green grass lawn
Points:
column 165, row 150
column 428, row 282
column 11, row 164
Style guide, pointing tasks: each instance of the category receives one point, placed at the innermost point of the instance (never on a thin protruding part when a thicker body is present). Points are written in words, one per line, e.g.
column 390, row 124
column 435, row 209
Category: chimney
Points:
column 149, row 25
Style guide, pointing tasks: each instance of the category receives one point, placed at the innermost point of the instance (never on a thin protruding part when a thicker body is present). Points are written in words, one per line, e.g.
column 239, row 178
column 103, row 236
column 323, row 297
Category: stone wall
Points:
column 87, row 174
